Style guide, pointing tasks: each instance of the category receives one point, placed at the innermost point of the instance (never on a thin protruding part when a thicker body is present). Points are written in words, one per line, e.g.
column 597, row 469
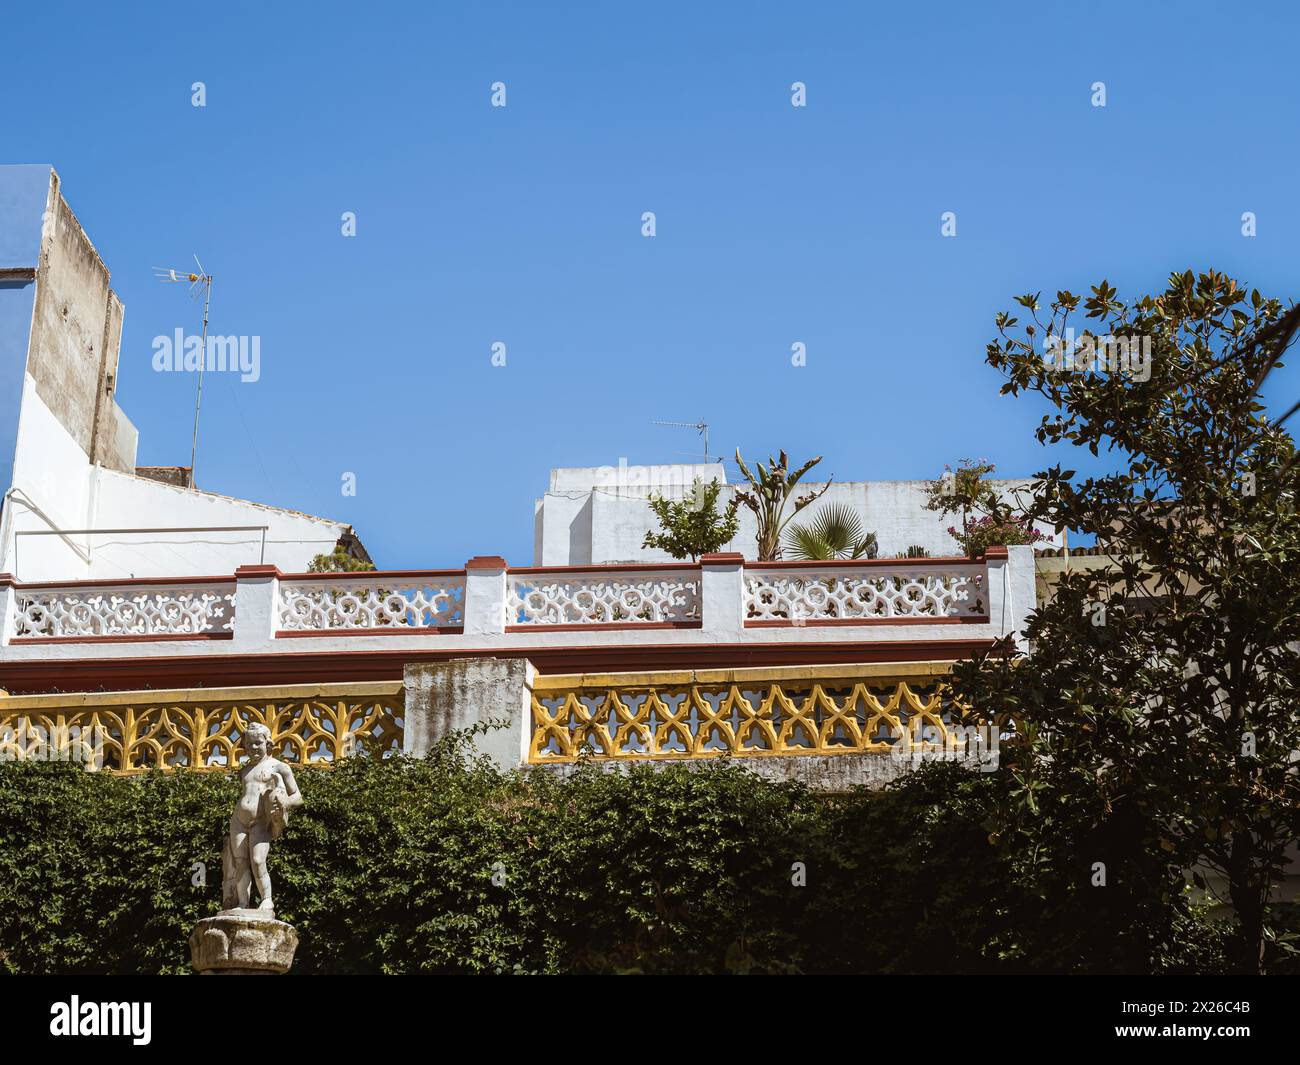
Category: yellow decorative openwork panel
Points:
column 132, row 732
column 826, row 710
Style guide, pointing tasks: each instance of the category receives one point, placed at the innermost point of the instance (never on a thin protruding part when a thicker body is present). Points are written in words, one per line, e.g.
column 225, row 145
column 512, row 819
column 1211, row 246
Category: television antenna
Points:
column 200, row 282
column 701, row 427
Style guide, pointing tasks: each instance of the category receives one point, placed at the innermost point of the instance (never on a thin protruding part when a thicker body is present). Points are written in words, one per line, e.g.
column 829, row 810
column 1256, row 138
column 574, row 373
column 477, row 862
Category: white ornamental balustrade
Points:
column 124, row 610
column 394, row 601
column 864, row 593
column 638, row 597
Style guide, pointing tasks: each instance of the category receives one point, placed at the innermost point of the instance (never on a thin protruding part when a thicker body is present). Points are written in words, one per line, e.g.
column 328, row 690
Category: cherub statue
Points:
column 269, row 793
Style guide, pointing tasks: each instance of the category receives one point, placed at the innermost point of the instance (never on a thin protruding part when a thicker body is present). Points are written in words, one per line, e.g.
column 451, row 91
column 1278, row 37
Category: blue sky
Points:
column 523, row 225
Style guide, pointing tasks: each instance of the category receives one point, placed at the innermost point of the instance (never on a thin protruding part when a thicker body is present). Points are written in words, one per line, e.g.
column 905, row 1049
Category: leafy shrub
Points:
column 980, row 534
column 389, row 867
column 340, row 561
column 693, row 526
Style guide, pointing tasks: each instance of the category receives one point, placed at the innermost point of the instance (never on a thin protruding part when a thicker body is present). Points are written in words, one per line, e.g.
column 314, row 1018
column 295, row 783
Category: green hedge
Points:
column 389, row 867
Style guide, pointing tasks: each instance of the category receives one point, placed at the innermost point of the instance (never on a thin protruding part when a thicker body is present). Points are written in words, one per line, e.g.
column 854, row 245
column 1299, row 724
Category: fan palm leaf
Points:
column 835, row 531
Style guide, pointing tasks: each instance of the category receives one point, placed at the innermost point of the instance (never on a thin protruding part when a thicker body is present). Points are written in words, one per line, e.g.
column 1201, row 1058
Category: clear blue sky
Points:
column 775, row 224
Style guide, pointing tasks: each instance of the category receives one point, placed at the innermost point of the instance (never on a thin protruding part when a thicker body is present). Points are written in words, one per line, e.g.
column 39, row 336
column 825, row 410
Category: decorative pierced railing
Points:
column 129, row 609
column 722, row 599
column 809, row 592
column 741, row 713
column 132, row 732
column 392, row 602
column 635, row 596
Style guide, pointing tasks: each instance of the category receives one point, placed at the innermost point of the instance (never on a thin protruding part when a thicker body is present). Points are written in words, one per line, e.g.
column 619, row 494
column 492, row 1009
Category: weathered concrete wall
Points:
column 119, row 439
column 176, row 476
column 114, row 438
column 822, row 772
column 76, row 333
column 447, row 697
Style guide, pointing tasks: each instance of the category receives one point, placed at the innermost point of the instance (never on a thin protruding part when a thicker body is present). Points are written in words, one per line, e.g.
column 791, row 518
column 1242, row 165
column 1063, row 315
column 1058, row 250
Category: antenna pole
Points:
column 198, row 399
column 701, row 427
column 205, row 279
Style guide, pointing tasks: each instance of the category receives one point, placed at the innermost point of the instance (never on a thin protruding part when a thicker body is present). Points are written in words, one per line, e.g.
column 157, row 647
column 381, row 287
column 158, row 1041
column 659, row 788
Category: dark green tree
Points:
column 1158, row 703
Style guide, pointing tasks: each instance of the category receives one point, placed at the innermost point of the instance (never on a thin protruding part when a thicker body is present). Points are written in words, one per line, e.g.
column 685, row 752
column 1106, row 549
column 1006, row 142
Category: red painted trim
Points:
column 496, row 562
column 777, row 623
column 867, row 563
column 215, row 671
column 369, row 574
column 395, row 630
column 257, row 571
column 631, row 567
column 162, row 637
column 718, row 558
column 160, row 582
column 605, row 626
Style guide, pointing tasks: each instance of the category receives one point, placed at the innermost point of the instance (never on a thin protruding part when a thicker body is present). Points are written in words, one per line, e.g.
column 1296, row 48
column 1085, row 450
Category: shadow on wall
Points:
column 580, row 536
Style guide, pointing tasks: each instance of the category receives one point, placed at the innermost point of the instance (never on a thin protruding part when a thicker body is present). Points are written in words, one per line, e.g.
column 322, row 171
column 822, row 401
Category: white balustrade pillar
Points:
column 485, row 595
column 8, row 606
column 1011, row 590
column 1023, row 580
column 722, row 595
column 257, row 606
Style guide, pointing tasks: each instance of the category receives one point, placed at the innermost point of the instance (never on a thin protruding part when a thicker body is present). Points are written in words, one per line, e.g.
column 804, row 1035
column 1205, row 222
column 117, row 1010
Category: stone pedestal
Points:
column 242, row 943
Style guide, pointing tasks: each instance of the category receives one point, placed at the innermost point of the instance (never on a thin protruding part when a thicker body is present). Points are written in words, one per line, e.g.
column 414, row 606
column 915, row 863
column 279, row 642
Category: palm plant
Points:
column 835, row 531
column 767, row 497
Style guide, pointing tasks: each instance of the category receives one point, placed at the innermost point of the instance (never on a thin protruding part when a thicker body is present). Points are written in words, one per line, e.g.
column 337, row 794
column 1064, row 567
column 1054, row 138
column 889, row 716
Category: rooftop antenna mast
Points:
column 202, row 281
column 701, row 427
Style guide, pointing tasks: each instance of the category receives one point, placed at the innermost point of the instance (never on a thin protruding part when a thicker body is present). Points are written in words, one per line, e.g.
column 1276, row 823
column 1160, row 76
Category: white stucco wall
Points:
column 51, row 489
column 292, row 539
column 597, row 515
column 56, row 487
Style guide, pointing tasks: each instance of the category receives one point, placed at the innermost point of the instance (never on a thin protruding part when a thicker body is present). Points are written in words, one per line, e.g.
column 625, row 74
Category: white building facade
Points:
column 593, row 516
column 73, row 504
column 167, row 618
